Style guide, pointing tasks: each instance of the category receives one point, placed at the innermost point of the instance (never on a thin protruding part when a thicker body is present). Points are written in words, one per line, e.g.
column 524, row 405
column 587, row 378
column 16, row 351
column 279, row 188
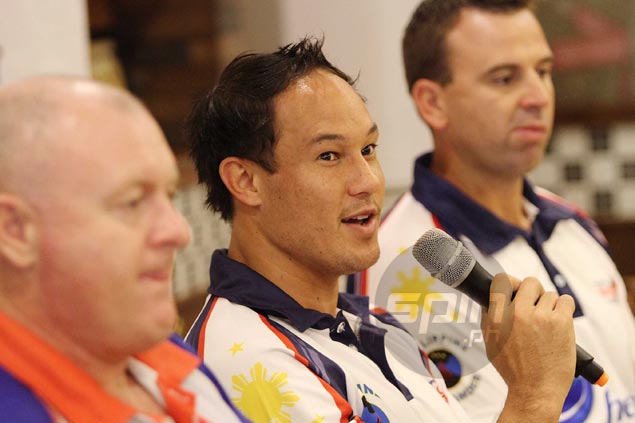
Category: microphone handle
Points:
column 478, row 290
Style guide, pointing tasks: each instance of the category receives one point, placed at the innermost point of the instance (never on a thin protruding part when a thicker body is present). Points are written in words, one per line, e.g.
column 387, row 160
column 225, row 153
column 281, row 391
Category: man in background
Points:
column 287, row 151
column 479, row 73
column 88, row 235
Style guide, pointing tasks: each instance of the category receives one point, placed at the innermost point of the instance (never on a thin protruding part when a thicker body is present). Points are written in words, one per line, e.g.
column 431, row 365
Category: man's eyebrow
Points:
column 338, row 137
column 373, row 129
column 548, row 60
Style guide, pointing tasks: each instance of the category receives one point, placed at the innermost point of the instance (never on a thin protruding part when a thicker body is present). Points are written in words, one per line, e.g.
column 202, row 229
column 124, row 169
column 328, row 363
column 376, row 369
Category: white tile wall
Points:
column 571, row 142
column 209, row 232
column 623, row 138
column 626, row 200
column 602, row 170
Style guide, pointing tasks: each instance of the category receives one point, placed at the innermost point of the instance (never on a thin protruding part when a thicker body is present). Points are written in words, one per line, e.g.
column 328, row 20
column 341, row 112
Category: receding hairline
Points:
column 31, row 111
column 65, row 91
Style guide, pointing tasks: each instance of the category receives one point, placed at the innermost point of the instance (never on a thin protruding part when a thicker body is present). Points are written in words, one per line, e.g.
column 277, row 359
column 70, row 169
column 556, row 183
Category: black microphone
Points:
column 450, row 262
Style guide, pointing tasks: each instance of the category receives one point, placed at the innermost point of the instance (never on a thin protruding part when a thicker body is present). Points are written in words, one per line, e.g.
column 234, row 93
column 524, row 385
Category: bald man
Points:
column 88, row 235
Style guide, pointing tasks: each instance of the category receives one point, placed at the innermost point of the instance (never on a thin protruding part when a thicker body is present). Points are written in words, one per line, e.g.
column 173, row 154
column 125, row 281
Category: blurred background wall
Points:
column 167, row 52
column 39, row 36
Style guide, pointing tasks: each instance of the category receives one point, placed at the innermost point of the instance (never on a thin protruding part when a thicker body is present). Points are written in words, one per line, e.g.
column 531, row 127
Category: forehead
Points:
column 490, row 38
column 320, row 103
column 99, row 150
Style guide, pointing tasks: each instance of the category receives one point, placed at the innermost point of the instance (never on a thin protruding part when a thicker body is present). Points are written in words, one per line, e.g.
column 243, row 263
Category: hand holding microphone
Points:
column 450, row 262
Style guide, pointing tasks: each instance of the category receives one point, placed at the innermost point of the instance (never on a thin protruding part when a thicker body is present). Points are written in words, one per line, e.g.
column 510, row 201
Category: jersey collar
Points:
column 241, row 285
column 490, row 234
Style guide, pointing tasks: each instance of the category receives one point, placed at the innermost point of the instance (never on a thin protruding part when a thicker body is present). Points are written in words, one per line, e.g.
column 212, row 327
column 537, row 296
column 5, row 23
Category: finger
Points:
column 565, row 305
column 528, row 293
column 515, row 282
column 547, row 301
column 500, row 295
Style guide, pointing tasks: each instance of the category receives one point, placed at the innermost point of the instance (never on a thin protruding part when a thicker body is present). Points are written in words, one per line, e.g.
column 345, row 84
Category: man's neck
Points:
column 501, row 195
column 311, row 289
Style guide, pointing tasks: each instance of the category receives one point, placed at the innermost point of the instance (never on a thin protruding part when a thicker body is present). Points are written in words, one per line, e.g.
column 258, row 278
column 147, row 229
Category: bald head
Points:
column 88, row 231
column 39, row 117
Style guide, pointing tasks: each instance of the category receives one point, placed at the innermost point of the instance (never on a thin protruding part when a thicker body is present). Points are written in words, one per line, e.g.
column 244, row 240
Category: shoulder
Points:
column 401, row 227
column 554, row 201
column 230, row 333
column 405, row 207
column 259, row 361
column 18, row 403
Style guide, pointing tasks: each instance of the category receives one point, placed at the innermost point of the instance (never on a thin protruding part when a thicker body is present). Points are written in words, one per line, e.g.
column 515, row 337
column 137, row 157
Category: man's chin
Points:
column 163, row 324
column 363, row 262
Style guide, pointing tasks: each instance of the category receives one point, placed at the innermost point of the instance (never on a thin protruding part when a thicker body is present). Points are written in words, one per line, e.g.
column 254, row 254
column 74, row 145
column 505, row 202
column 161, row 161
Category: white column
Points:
column 43, row 37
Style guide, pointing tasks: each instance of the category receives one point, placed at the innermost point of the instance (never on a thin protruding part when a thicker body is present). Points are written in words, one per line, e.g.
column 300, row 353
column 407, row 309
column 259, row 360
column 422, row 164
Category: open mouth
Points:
column 362, row 220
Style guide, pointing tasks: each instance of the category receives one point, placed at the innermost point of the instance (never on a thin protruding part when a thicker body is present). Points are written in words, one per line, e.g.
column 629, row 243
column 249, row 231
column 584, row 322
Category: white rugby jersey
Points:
column 280, row 362
column 564, row 250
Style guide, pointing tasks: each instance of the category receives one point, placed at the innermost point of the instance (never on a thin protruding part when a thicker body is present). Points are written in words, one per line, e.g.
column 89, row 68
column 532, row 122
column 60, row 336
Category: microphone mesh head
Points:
column 444, row 257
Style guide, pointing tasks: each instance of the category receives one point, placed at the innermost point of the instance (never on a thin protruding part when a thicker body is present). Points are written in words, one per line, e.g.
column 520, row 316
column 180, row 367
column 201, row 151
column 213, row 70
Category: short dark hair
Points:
column 236, row 117
column 424, row 42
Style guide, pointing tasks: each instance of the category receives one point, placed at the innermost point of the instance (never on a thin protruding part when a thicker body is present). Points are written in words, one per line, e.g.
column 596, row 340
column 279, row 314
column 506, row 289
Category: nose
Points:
column 366, row 177
column 171, row 228
column 539, row 92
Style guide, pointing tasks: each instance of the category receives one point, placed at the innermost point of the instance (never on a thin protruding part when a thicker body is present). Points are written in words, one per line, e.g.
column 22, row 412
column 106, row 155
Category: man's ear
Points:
column 18, row 232
column 429, row 97
column 239, row 176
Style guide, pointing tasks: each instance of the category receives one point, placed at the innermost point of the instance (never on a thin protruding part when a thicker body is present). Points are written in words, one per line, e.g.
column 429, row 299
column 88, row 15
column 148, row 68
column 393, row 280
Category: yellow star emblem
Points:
column 236, row 348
